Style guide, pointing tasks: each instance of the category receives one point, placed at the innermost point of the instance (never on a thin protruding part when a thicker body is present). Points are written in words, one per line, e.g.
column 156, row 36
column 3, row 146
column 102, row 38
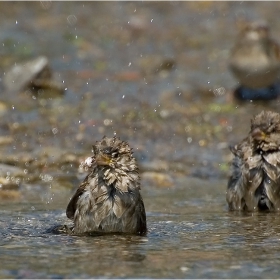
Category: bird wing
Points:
column 71, row 208
column 142, row 223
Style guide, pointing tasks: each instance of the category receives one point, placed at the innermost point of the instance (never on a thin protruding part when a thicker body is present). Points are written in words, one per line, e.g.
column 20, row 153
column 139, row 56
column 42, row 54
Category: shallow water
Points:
column 179, row 122
column 190, row 235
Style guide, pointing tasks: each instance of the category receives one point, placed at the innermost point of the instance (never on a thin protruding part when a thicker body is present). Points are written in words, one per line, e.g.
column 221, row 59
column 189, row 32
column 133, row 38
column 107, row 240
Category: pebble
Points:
column 157, row 179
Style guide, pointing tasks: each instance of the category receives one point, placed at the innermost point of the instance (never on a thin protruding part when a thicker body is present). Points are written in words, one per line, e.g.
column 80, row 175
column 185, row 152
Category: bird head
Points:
column 255, row 30
column 113, row 153
column 265, row 130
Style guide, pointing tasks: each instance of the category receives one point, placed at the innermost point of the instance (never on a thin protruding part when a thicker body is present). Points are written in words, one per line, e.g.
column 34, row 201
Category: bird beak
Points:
column 102, row 160
column 258, row 134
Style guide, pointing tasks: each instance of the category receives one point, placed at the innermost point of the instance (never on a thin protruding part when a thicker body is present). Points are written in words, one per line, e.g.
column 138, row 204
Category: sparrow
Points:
column 255, row 61
column 109, row 199
column 254, row 183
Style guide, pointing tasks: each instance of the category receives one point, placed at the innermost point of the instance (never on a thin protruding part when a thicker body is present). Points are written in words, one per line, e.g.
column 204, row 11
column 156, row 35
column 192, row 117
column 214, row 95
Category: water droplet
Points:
column 152, row 20
column 54, row 130
column 72, row 19
column 88, row 161
column 107, row 122
column 183, row 268
column 46, row 4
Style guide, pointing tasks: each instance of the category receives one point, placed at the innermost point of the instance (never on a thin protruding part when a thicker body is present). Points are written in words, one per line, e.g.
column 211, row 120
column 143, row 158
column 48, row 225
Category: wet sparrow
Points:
column 255, row 61
column 255, row 180
column 109, row 198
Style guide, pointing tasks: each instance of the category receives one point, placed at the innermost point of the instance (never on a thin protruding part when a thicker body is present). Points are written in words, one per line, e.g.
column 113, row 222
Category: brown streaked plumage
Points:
column 255, row 180
column 109, row 198
column 255, row 58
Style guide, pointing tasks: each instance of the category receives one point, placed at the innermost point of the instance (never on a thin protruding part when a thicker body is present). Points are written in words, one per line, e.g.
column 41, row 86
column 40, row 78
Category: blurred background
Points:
column 155, row 74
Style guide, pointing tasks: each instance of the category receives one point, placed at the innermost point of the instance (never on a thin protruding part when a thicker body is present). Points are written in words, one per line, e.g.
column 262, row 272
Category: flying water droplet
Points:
column 54, row 130
column 72, row 19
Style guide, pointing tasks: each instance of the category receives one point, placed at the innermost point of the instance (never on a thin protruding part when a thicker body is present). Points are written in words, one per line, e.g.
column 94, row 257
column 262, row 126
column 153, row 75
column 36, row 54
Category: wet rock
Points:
column 8, row 185
column 157, row 179
column 9, row 194
column 153, row 64
column 4, row 140
column 54, row 156
column 156, row 165
column 44, row 165
column 138, row 24
column 161, row 166
column 35, row 75
column 8, row 171
column 61, row 180
column 3, row 110
column 9, row 189
column 11, row 177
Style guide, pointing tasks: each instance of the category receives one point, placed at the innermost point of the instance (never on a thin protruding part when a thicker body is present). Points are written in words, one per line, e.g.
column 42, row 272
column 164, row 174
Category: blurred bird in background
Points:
column 109, row 199
column 255, row 180
column 255, row 62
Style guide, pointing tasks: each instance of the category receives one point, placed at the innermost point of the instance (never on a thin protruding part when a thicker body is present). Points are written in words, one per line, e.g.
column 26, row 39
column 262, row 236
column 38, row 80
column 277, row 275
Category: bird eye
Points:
column 106, row 151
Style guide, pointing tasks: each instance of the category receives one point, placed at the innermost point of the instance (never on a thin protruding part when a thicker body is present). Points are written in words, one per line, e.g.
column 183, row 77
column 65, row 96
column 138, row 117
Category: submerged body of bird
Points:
column 109, row 199
column 255, row 180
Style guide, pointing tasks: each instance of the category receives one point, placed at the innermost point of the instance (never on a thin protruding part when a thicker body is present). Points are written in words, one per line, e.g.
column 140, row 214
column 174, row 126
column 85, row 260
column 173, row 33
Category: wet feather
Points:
column 109, row 199
column 254, row 183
